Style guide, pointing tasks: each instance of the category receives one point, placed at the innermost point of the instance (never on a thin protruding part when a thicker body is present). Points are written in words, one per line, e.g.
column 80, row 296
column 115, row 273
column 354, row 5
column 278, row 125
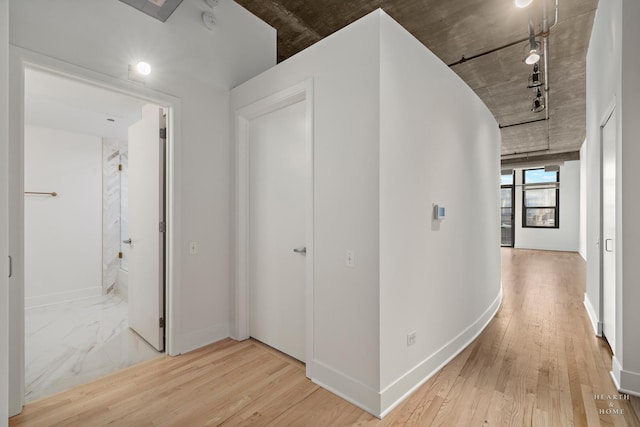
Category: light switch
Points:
column 193, row 248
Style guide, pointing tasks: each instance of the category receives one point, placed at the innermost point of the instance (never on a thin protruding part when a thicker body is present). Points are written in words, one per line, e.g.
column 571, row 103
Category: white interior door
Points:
column 279, row 172
column 609, row 230
column 146, row 214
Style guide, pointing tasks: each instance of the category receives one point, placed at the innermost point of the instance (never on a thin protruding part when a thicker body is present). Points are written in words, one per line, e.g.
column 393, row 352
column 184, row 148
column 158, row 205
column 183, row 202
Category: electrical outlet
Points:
column 193, row 248
column 411, row 338
column 349, row 259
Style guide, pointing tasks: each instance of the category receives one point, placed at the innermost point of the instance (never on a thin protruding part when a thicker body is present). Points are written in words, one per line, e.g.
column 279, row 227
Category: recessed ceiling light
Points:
column 523, row 3
column 158, row 3
column 143, row 68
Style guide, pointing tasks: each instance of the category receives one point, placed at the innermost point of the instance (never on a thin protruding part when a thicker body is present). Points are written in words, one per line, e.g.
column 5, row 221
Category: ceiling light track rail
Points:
column 522, row 123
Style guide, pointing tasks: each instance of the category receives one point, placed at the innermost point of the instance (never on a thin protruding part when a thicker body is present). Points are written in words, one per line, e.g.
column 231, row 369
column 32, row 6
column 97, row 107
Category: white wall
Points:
column 441, row 280
column 198, row 67
column 345, row 75
column 603, row 83
column 628, row 235
column 371, row 133
column 567, row 236
column 582, row 239
column 63, row 234
column 612, row 66
column 4, row 208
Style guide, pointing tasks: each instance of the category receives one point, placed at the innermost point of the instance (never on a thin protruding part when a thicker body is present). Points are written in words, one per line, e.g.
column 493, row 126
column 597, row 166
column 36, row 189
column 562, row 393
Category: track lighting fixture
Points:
column 538, row 103
column 532, row 52
column 532, row 49
column 523, row 3
column 535, row 79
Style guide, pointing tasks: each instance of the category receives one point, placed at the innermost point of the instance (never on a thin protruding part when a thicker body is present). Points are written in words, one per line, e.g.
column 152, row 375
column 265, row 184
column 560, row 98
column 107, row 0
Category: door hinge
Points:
column 163, row 133
column 163, row 227
column 120, row 167
column 161, row 322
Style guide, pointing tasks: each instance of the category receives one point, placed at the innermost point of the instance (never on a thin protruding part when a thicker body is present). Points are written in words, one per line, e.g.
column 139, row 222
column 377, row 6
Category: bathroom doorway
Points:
column 76, row 207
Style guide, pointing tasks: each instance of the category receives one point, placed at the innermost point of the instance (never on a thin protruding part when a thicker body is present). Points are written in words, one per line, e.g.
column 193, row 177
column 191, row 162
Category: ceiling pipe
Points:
column 487, row 52
column 463, row 59
column 545, row 59
column 532, row 33
column 555, row 18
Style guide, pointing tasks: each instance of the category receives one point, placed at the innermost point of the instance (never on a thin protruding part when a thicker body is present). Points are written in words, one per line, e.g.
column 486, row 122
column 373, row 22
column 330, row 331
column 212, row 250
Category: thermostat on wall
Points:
column 439, row 212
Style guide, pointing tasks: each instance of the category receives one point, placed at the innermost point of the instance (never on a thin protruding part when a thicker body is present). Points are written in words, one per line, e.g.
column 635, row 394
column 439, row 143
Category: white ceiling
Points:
column 60, row 103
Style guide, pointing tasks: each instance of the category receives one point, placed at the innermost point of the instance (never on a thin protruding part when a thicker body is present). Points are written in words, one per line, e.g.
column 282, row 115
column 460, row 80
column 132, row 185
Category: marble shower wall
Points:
column 112, row 150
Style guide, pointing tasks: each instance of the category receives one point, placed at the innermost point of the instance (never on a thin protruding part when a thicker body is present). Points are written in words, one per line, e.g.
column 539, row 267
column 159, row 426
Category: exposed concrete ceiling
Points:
column 454, row 29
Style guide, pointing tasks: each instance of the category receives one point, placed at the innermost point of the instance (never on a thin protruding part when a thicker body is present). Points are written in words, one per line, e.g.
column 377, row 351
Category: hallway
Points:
column 537, row 363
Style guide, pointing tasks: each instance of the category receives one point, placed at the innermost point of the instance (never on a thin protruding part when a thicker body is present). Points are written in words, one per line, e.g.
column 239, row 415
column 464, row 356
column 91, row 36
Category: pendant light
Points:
column 538, row 103
column 535, row 79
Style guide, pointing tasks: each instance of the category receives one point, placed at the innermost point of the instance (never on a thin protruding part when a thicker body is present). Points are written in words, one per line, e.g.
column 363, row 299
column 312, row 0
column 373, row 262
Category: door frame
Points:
column 601, row 243
column 301, row 92
column 21, row 59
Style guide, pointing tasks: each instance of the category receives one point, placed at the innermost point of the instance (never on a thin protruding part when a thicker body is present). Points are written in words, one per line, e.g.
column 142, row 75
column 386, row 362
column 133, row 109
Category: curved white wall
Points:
column 439, row 144
column 394, row 131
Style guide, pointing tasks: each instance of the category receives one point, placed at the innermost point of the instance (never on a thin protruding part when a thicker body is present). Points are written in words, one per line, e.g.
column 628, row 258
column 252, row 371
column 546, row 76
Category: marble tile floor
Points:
column 78, row 341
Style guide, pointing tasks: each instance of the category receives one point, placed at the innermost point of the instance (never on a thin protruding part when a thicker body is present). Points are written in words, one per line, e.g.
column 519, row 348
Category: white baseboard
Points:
column 404, row 386
column 381, row 403
column 202, row 337
column 626, row 381
column 351, row 390
column 546, row 248
column 591, row 312
column 58, row 297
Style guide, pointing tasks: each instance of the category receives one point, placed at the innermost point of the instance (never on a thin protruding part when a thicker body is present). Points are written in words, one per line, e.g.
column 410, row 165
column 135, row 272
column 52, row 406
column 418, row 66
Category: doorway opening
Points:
column 86, row 313
column 274, row 160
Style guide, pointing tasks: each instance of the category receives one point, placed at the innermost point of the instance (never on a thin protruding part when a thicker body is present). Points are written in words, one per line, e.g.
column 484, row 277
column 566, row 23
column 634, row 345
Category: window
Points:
column 507, row 208
column 540, row 198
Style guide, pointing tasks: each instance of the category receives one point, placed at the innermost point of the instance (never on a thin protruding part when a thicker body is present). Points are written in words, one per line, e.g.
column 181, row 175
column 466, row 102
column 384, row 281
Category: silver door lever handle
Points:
column 302, row 251
column 128, row 241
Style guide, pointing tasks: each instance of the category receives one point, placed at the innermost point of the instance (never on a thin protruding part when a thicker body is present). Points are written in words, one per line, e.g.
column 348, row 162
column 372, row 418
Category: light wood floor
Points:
column 537, row 363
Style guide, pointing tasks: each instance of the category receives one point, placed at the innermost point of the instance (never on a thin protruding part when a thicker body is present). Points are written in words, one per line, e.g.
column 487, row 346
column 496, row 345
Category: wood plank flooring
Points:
column 538, row 363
